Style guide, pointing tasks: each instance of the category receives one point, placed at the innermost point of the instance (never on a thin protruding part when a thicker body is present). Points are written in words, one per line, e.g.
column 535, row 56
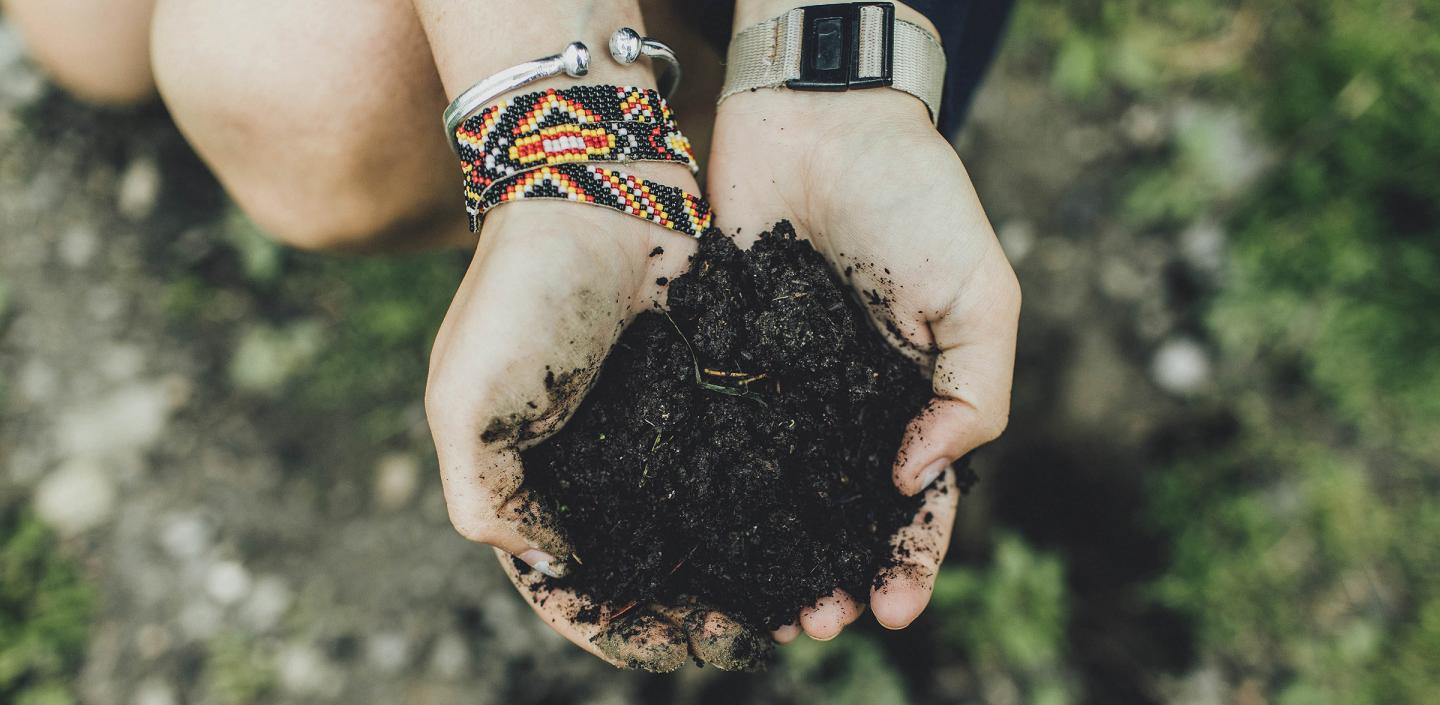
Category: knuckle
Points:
column 993, row 425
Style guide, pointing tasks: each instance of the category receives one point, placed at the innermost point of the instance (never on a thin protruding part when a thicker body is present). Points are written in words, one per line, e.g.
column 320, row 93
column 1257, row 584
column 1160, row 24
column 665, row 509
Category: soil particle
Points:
column 737, row 450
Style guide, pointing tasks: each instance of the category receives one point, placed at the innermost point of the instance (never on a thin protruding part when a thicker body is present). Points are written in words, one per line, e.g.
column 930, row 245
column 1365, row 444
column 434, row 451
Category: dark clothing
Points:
column 969, row 29
column 971, row 32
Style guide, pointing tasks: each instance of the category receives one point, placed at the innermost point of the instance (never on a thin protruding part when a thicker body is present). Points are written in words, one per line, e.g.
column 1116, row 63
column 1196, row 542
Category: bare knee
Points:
column 98, row 50
column 326, row 147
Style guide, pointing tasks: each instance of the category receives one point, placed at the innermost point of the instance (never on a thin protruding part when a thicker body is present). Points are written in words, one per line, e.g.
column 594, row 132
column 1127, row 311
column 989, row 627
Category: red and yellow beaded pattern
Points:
column 661, row 204
column 534, row 146
column 558, row 126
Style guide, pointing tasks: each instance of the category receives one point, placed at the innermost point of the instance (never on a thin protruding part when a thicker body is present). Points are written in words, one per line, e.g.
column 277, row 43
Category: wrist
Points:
column 470, row 43
column 750, row 12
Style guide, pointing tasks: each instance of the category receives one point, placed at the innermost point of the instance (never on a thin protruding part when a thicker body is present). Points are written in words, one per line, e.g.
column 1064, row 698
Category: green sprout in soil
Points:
column 718, row 388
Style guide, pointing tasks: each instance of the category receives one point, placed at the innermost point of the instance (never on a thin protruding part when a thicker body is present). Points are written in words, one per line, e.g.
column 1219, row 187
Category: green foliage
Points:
column 1337, row 265
column 239, row 671
column 851, row 670
column 1010, row 617
column 45, row 610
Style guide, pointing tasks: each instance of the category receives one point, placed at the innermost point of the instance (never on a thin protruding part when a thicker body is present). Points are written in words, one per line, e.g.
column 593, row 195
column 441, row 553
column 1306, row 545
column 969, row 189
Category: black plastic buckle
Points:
column 830, row 49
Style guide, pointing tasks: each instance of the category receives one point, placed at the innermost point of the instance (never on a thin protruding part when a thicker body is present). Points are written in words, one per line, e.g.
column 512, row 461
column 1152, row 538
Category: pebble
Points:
column 77, row 497
column 131, row 418
column 388, row 652
column 268, row 603
column 186, row 535
column 77, row 246
column 1017, row 238
column 450, row 656
column 1202, row 244
column 303, row 670
column 227, row 582
column 153, row 691
column 397, row 476
column 139, row 188
column 200, row 619
column 1181, row 366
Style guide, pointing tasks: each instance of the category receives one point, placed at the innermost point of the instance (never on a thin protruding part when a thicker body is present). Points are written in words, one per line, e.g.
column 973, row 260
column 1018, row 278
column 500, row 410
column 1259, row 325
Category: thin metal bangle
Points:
column 573, row 61
column 626, row 46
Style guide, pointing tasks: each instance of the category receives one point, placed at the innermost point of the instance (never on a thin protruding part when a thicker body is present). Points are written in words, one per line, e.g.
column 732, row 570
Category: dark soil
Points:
column 737, row 451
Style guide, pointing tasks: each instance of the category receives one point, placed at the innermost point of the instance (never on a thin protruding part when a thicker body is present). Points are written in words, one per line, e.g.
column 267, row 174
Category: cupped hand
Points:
column 547, row 294
column 882, row 195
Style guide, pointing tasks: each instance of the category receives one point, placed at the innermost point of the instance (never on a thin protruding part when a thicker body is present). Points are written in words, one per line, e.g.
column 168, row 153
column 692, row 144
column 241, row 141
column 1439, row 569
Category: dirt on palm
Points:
column 737, row 450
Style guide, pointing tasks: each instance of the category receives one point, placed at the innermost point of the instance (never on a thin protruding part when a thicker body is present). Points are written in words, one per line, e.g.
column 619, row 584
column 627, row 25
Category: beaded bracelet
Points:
column 664, row 205
column 503, row 145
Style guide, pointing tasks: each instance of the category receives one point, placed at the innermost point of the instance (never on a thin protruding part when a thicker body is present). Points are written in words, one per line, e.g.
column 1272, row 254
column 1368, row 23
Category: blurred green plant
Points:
column 1009, row 620
column 238, row 671
column 850, row 670
column 45, row 612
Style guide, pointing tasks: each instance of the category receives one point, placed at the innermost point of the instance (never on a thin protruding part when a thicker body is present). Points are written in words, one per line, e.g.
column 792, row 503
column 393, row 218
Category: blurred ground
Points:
column 215, row 448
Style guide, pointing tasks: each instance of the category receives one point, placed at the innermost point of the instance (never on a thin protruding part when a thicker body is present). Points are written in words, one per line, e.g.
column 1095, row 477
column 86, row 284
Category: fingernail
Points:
column 543, row 562
column 933, row 472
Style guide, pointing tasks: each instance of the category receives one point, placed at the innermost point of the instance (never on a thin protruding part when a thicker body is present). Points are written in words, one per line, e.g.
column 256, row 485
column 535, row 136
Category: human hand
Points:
column 882, row 195
column 551, row 287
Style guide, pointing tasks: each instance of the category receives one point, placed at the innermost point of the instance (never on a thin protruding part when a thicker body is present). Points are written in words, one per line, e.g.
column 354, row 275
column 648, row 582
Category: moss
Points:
column 45, row 612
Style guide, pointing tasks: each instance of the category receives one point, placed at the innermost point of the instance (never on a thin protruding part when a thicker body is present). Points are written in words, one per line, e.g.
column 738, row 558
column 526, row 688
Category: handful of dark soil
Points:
column 737, row 450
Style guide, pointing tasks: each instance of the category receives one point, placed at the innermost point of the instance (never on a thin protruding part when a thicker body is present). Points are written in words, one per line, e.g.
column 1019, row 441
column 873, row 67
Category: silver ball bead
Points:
column 577, row 59
column 625, row 45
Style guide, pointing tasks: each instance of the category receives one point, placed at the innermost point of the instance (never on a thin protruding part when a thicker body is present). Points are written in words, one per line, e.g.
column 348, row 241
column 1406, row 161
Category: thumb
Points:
column 971, row 381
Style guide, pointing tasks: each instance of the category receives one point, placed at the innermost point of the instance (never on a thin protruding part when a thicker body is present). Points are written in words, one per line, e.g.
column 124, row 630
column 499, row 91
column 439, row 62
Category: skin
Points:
column 99, row 50
column 871, row 183
column 256, row 90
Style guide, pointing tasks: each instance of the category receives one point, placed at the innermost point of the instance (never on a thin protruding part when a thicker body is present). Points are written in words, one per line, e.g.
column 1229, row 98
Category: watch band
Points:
column 835, row 48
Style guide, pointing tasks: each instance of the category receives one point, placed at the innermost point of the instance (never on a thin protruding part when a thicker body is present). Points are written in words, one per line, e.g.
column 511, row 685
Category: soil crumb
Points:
column 737, row 450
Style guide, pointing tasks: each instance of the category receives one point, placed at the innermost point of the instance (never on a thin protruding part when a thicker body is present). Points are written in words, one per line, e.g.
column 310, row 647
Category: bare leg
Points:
column 321, row 117
column 97, row 49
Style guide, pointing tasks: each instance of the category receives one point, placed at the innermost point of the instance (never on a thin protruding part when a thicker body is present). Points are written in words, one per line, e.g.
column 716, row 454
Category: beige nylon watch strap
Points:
column 769, row 55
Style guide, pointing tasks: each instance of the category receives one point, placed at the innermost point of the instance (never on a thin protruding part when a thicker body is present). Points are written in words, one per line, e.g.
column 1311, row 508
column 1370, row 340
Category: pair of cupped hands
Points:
column 867, row 178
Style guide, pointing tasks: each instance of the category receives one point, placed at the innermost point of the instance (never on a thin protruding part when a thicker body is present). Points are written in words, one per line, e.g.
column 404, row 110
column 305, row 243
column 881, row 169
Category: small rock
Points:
column 1017, row 238
column 397, row 476
column 266, row 357
column 78, row 246
column 267, row 604
column 1143, row 125
column 1181, row 366
column 304, row 671
column 139, row 188
column 387, row 652
column 200, row 619
column 131, row 418
column 186, row 535
column 1203, row 245
column 37, row 381
column 450, row 657
column 77, row 497
column 227, row 582
column 153, row 691
column 1120, row 280
column 153, row 640
column 121, row 362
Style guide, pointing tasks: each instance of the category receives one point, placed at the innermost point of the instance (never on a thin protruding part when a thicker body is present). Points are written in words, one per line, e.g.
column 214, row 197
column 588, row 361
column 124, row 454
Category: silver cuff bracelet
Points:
column 574, row 61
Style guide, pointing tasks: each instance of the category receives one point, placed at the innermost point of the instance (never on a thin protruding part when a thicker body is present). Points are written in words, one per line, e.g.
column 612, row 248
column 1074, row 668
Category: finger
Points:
column 717, row 639
column 786, row 634
column 971, row 381
column 642, row 639
column 903, row 589
column 830, row 614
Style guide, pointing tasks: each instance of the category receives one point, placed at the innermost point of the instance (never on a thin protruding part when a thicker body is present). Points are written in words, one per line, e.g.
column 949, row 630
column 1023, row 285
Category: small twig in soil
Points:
column 797, row 295
column 717, row 388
